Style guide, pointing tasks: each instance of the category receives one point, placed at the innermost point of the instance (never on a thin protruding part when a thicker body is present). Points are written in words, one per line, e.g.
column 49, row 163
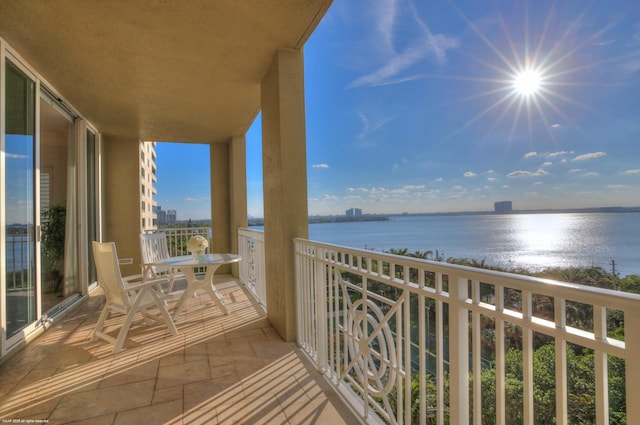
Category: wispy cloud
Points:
column 524, row 173
column 320, row 166
column 190, row 199
column 370, row 126
column 426, row 44
column 15, row 156
column 469, row 174
column 634, row 171
column 530, row 155
column 588, row 156
column 630, row 65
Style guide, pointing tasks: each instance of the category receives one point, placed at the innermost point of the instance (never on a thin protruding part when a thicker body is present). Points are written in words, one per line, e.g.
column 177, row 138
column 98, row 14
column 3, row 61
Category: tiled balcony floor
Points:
column 219, row 369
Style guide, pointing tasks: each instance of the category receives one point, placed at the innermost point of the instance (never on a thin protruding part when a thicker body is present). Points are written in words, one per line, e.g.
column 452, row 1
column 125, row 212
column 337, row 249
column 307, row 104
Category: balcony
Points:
column 396, row 339
column 218, row 369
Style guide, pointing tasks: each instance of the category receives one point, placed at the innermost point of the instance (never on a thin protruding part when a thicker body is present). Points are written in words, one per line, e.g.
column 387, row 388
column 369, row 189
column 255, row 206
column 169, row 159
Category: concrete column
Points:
column 121, row 198
column 238, row 203
column 220, row 198
column 284, row 165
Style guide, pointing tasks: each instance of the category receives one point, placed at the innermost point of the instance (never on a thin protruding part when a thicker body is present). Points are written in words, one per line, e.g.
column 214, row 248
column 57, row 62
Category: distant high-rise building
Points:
column 161, row 215
column 353, row 212
column 503, row 207
column 172, row 216
column 148, row 218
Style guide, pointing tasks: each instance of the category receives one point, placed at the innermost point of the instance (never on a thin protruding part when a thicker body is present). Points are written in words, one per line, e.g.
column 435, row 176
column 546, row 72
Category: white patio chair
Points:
column 153, row 247
column 124, row 295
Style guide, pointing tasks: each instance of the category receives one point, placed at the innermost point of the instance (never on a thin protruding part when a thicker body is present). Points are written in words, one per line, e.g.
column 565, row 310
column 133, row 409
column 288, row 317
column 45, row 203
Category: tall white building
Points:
column 148, row 218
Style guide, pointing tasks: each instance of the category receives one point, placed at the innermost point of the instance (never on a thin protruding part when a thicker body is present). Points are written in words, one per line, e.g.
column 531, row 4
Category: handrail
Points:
column 177, row 238
column 368, row 321
column 252, row 269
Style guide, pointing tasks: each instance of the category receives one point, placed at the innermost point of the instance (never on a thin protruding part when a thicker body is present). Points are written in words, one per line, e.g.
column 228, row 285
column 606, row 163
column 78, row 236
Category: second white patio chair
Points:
column 153, row 248
column 124, row 295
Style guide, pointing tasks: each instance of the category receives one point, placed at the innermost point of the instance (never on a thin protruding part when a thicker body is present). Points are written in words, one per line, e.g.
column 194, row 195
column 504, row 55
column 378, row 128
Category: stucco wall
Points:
column 121, row 191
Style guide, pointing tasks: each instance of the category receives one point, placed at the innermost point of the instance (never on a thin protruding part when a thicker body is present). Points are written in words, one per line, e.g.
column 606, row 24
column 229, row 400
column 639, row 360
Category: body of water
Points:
column 532, row 241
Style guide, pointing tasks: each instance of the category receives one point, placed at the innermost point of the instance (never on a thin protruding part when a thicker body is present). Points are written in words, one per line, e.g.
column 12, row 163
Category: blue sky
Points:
column 417, row 106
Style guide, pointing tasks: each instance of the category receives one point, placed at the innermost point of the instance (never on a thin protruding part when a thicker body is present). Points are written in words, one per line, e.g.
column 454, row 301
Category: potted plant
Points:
column 53, row 231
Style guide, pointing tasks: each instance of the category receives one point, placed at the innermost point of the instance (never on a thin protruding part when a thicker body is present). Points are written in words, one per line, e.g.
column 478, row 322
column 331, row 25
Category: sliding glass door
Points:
column 92, row 200
column 57, row 151
column 19, row 196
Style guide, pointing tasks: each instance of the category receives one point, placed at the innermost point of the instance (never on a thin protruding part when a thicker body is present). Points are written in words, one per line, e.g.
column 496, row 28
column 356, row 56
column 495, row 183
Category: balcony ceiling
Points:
column 159, row 70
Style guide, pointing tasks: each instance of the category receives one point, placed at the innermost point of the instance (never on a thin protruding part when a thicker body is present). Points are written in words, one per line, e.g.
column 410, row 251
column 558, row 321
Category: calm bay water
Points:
column 533, row 241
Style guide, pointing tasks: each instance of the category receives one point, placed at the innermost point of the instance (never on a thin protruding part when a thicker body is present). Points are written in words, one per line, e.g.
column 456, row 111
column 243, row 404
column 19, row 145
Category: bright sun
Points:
column 527, row 82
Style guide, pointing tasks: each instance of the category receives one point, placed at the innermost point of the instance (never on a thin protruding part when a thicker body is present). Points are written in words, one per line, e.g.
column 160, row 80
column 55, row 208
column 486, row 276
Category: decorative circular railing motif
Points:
column 371, row 347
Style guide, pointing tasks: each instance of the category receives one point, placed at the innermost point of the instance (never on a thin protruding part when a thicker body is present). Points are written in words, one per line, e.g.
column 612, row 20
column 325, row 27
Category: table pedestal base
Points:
column 194, row 284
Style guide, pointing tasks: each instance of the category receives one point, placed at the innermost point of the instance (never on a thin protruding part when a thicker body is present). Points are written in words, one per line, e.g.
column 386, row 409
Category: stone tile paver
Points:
column 219, row 369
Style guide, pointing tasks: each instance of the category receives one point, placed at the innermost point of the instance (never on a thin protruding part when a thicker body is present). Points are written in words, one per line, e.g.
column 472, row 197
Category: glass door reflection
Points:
column 20, row 253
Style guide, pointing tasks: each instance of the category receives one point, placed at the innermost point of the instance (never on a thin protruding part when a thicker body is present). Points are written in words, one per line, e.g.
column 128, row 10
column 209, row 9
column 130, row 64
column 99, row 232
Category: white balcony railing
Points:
column 252, row 268
column 405, row 341
column 177, row 238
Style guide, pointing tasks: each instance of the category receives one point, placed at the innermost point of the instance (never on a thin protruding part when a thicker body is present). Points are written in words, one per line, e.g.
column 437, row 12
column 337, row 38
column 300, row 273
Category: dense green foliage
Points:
column 580, row 361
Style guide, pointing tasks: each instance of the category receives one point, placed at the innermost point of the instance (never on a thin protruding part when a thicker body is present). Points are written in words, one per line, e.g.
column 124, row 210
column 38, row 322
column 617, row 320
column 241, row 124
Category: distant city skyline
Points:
column 453, row 106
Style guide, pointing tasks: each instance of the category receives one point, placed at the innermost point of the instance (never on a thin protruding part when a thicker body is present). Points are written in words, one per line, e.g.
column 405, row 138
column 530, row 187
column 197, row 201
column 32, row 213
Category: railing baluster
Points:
column 500, row 354
column 351, row 364
column 601, row 367
column 560, row 314
column 458, row 351
column 632, row 365
column 476, row 339
column 527, row 359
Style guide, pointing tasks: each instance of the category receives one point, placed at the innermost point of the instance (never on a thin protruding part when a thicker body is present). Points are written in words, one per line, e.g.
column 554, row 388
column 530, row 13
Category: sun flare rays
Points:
column 528, row 73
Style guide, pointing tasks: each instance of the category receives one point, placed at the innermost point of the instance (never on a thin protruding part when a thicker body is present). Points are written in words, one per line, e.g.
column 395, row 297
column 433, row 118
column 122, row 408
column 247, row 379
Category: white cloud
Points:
column 634, row 171
column 491, row 179
column 469, row 174
column 523, row 173
column 547, row 164
column 575, row 170
column 189, row 199
column 556, row 125
column 530, row 155
column 591, row 174
column 358, row 189
column 320, row 166
column 559, row 153
column 587, row 156
column 439, row 179
column 15, row 156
